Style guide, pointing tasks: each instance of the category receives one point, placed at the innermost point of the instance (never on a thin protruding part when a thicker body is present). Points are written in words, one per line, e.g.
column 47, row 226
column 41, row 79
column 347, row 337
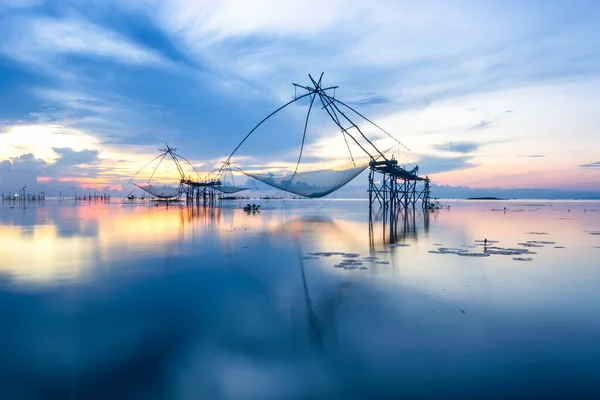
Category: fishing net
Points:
column 311, row 184
column 162, row 192
column 230, row 189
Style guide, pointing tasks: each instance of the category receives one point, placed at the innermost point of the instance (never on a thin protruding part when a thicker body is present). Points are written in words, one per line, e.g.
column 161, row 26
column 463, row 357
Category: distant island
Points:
column 484, row 198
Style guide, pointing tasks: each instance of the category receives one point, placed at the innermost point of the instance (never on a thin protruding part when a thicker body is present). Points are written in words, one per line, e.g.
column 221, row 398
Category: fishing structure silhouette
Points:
column 390, row 186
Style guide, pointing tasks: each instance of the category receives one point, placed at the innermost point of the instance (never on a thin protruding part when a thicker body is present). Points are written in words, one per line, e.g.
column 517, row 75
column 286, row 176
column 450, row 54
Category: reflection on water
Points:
column 398, row 226
column 137, row 301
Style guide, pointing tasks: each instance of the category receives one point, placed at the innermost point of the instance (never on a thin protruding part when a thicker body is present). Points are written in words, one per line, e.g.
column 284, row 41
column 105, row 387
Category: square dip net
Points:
column 161, row 191
column 312, row 184
column 229, row 189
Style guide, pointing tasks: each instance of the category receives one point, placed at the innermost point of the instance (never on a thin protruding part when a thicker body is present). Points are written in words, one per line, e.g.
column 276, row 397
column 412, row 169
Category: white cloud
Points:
column 80, row 37
column 210, row 21
column 39, row 140
column 414, row 50
column 43, row 43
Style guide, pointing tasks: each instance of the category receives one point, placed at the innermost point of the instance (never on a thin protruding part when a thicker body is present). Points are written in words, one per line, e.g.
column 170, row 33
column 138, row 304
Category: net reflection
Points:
column 325, row 231
column 322, row 303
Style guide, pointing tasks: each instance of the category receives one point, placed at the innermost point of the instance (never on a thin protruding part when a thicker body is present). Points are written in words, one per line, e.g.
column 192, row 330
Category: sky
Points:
column 484, row 94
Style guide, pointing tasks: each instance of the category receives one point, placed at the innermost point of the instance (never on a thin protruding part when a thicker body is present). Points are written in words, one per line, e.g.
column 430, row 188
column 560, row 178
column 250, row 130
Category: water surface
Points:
column 139, row 301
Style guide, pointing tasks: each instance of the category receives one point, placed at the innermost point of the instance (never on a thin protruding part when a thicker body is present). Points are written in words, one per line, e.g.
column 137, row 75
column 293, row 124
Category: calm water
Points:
column 116, row 300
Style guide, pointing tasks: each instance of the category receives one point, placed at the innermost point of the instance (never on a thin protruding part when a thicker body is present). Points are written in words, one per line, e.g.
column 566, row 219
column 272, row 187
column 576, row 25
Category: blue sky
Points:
column 484, row 93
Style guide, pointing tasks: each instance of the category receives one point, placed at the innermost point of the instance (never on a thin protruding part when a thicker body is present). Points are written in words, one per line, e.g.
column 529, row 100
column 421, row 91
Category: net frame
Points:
column 337, row 111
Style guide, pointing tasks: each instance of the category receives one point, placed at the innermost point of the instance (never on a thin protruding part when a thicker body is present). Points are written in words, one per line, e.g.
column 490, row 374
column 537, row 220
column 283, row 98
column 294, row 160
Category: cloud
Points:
column 20, row 171
column 533, row 155
column 49, row 45
column 434, row 165
column 458, row 147
column 272, row 43
column 40, row 138
column 27, row 162
column 370, row 99
column 592, row 165
column 482, row 124
column 72, row 170
column 5, row 166
column 69, row 157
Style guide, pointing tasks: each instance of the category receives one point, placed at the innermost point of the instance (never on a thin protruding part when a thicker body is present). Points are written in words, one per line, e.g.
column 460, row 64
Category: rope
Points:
column 260, row 123
column 368, row 120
